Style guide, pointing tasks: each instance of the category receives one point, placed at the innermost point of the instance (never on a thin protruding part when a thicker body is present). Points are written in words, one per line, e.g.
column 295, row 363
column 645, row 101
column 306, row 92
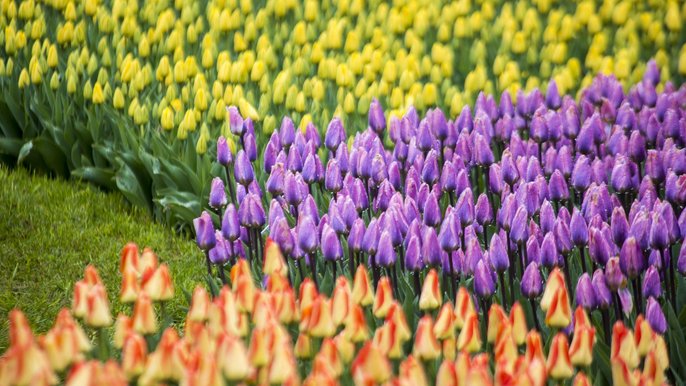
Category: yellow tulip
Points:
column 24, row 78
column 98, row 95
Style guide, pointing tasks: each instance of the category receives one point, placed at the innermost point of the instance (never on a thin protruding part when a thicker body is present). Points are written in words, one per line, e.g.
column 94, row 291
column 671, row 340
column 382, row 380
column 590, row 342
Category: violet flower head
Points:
column 518, row 227
column 613, row 275
column 495, row 178
column 432, row 212
column 217, row 194
column 308, row 238
column 602, row 291
column 370, row 241
column 385, row 255
column 287, row 132
column 235, row 120
column 331, row 246
column 598, row 248
column 619, row 225
column 652, row 286
column 377, row 120
column 549, row 255
column 484, row 285
column 585, row 293
column 431, row 251
column 221, row 252
column 231, row 228
column 333, row 181
column 581, row 174
column 250, row 211
column 309, row 169
column 578, row 229
column 563, row 237
column 483, row 211
column 552, row 96
column 465, row 207
column 356, row 235
column 655, row 316
column 532, row 284
column 631, row 259
column 270, row 155
column 483, row 155
column 243, row 170
column 291, row 188
column 281, row 234
column 430, row 171
column 547, row 217
column 335, row 134
column 659, row 233
column 204, row 232
column 498, row 254
column 224, row 157
column 681, row 261
column 413, row 256
column 558, row 187
column 250, row 147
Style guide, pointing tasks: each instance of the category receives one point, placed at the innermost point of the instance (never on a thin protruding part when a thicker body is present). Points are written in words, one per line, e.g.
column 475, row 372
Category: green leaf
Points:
column 131, row 187
column 97, row 176
column 24, row 151
column 10, row 146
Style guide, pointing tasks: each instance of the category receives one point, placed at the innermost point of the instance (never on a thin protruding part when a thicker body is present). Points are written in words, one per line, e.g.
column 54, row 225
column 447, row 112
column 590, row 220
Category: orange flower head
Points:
column 425, row 344
column 134, row 355
column 555, row 281
column 464, row 307
column 446, row 376
column 91, row 276
column 397, row 315
column 559, row 314
column 356, row 328
column 97, row 307
column 147, row 260
column 624, row 346
column 306, row 296
column 411, row 369
column 274, row 261
column 518, row 323
column 329, row 352
column 370, row 365
column 341, row 301
column 166, row 362
column 430, row 298
column 303, row 346
column 245, row 292
column 559, row 364
column 622, row 375
column 200, row 305
column 581, row 349
column 158, row 283
column 496, row 319
column 581, row 380
column 345, row 347
column 383, row 298
column 534, row 346
column 469, row 339
column 144, row 320
column 644, row 335
column 129, row 258
column 233, row 358
column 449, row 348
column 241, row 268
column 130, row 288
column 321, row 324
column 444, row 328
column 362, row 293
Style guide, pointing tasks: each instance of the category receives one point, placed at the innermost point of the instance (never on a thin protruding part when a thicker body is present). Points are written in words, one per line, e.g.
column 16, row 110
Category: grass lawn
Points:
column 51, row 229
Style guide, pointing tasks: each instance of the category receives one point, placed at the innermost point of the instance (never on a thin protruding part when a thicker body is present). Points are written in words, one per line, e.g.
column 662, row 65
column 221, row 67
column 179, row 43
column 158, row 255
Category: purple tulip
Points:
column 431, row 250
column 532, row 284
column 217, row 194
column 204, row 232
column 655, row 316
column 224, row 157
column 613, row 274
column 235, row 120
column 230, row 226
column 335, row 134
column 331, row 246
column 250, row 212
column 585, row 293
column 498, row 254
column 377, row 120
column 385, row 255
column 631, row 259
column 652, row 286
column 243, row 170
column 221, row 252
column 484, row 285
column 549, row 255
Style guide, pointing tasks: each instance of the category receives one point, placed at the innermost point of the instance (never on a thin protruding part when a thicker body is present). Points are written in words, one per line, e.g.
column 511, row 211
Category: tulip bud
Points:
column 469, row 339
column 430, row 297
column 559, row 363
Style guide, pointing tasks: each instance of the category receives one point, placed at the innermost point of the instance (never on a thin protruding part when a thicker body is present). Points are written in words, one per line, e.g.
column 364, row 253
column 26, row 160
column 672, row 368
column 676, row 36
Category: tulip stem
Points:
column 452, row 277
column 582, row 257
column 351, row 262
column 534, row 315
column 333, row 269
column 606, row 325
column 222, row 275
column 672, row 282
column 637, row 294
column 417, row 283
column 375, row 271
column 506, row 304
column 103, row 344
column 229, row 185
column 568, row 278
column 300, row 269
column 618, row 307
column 313, row 268
column 209, row 263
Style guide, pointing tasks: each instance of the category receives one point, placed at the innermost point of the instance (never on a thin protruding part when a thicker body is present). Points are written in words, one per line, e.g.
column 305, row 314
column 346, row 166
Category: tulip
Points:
column 370, row 364
column 559, row 364
column 425, row 344
column 430, row 298
column 655, row 317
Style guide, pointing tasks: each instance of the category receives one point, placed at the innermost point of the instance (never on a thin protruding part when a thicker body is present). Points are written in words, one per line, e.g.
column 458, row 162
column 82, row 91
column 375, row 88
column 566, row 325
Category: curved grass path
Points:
column 51, row 229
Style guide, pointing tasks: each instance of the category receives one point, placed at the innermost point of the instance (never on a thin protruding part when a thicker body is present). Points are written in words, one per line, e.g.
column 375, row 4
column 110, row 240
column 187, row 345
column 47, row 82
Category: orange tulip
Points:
column 464, row 307
column 277, row 282
column 241, row 268
column 446, row 376
column 559, row 364
column 362, row 293
column 425, row 344
column 383, row 298
column 469, row 339
column 370, row 365
column 505, row 351
column 144, row 320
column 245, row 291
column 261, row 344
column 286, row 307
column 559, row 314
column 479, row 375
column 306, row 296
column 24, row 363
column 581, row 349
column 273, row 259
column 345, row 347
column 462, row 365
column 165, row 363
column 133, row 355
column 233, row 358
column 91, row 276
column 282, row 367
column 95, row 373
column 65, row 342
column 356, row 328
column 652, row 370
column 97, row 307
column 496, row 319
column 518, row 323
column 147, row 260
column 397, row 315
column 622, row 375
column 129, row 258
column 644, row 336
column 412, row 371
column 534, row 347
column 158, row 283
column 449, row 348
column 329, row 353
column 341, row 301
column 322, row 371
column 78, row 304
column 624, row 346
column 130, row 288
column 581, row 380
column 556, row 280
column 321, row 324
column 430, row 298
column 661, row 353
column 303, row 346
column 222, row 315
column 444, row 328
column 200, row 305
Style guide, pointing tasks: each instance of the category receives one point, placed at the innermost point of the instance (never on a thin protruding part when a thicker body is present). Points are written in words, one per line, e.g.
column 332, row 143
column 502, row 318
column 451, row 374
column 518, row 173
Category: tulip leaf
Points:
column 97, row 176
column 601, row 361
column 676, row 341
column 130, row 186
column 10, row 146
column 52, row 155
column 181, row 205
column 24, row 151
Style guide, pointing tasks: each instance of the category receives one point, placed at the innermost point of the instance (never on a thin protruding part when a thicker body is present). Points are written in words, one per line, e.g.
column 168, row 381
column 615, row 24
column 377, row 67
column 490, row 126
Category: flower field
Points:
column 399, row 193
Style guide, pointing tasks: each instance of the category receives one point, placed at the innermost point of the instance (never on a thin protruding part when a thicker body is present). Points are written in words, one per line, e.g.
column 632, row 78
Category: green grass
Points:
column 51, row 229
